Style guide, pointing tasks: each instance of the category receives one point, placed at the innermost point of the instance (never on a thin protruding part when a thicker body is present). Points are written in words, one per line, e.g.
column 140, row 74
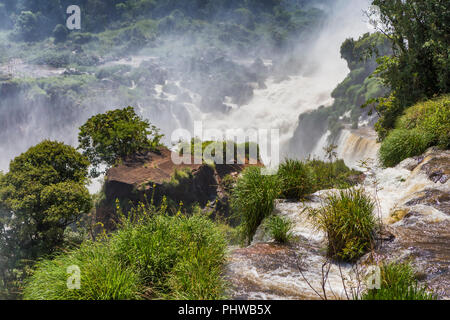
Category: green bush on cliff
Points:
column 423, row 125
column 432, row 117
column 398, row 282
column 401, row 144
column 419, row 67
column 115, row 135
column 151, row 256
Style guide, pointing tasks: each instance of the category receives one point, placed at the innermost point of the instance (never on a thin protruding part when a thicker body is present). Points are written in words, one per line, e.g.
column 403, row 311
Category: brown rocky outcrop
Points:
column 150, row 176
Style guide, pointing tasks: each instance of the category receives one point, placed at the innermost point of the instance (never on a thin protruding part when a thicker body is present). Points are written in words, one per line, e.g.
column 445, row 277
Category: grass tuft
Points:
column 297, row 179
column 349, row 223
column 253, row 199
column 398, row 282
column 279, row 228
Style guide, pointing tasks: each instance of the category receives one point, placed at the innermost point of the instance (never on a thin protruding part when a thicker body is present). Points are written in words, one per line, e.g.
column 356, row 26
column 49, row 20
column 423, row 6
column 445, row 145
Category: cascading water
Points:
column 353, row 146
column 279, row 105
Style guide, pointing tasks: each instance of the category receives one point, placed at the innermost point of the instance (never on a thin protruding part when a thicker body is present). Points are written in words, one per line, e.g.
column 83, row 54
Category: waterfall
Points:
column 279, row 105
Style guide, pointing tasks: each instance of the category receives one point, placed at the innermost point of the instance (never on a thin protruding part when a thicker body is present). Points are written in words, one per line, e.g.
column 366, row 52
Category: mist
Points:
column 276, row 88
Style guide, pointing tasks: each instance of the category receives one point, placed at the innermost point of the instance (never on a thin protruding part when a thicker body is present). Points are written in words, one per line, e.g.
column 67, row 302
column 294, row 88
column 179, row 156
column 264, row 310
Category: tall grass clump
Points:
column 177, row 257
column 401, row 144
column 349, row 223
column 102, row 277
column 253, row 199
column 398, row 282
column 151, row 256
column 279, row 228
column 296, row 178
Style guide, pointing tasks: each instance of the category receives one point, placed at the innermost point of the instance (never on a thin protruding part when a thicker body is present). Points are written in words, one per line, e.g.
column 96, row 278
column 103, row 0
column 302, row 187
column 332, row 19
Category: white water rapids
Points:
column 279, row 105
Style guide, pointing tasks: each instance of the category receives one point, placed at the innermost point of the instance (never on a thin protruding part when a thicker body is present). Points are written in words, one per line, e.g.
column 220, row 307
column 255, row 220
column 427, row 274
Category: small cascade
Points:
column 357, row 145
column 353, row 146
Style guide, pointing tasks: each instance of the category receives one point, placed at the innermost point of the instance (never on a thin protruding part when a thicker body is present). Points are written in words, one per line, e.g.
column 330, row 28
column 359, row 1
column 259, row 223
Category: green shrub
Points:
column 152, row 256
column 249, row 150
column 279, row 228
column 432, row 117
column 161, row 246
column 296, row 179
column 348, row 221
column 253, row 199
column 113, row 136
column 401, row 144
column 398, row 282
column 328, row 175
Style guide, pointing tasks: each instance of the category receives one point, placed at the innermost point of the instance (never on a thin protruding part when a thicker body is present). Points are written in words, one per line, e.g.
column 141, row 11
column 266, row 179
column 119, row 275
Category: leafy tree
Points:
column 420, row 65
column 113, row 136
column 43, row 193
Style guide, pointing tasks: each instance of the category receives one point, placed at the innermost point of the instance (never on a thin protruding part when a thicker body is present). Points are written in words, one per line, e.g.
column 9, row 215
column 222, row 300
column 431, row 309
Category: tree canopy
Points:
column 113, row 136
column 43, row 193
column 420, row 65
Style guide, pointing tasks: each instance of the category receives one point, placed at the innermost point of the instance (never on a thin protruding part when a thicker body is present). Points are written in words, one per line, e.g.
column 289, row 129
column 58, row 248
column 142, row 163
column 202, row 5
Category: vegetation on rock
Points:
column 348, row 220
column 114, row 136
column 398, row 282
column 419, row 67
column 151, row 256
column 279, row 228
column 423, row 125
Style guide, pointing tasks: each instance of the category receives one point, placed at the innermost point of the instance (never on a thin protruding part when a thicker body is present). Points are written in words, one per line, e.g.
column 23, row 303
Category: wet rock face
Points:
column 435, row 198
column 267, row 271
column 434, row 163
column 438, row 169
column 427, row 246
column 420, row 220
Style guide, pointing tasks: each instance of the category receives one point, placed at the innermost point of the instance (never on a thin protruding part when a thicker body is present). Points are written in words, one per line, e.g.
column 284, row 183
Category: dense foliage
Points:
column 420, row 65
column 423, row 125
column 116, row 135
column 253, row 199
column 139, row 23
column 43, row 193
column 151, row 256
